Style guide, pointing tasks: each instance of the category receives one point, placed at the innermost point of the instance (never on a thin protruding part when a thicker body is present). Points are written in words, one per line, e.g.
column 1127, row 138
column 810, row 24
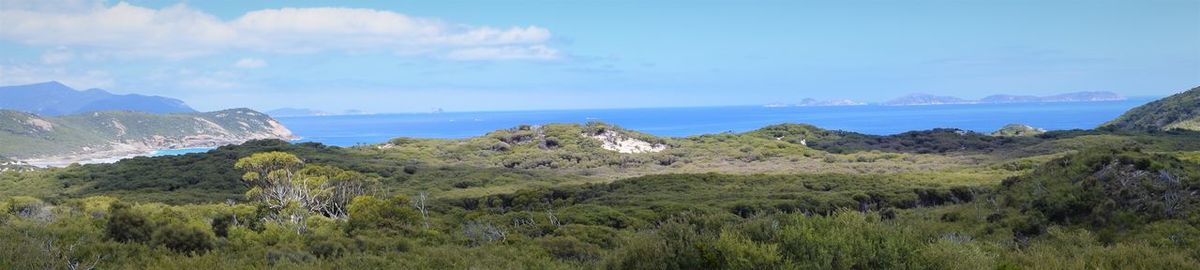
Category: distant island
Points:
column 810, row 102
column 927, row 99
column 55, row 99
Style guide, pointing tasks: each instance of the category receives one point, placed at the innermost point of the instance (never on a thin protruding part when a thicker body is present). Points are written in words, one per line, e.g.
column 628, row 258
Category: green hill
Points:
column 1179, row 111
column 116, row 133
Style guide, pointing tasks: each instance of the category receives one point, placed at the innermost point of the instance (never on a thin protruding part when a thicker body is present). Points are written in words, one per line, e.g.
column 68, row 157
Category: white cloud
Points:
column 61, row 6
column 179, row 31
column 535, row 52
column 57, row 56
column 250, row 63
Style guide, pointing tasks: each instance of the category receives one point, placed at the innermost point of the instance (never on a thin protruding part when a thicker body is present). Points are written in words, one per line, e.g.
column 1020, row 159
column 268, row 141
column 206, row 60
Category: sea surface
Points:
column 180, row 151
column 349, row 130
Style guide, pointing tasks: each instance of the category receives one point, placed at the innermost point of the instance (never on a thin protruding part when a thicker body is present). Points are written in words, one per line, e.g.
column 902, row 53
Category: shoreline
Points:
column 121, row 151
column 100, row 157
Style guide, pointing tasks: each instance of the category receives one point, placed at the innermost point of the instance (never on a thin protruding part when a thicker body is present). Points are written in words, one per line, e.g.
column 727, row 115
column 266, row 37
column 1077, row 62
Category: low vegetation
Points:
column 552, row 197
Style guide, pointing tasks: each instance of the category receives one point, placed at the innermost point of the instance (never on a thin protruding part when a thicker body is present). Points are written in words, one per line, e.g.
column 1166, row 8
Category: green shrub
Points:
column 957, row 252
column 126, row 225
column 183, row 238
column 368, row 212
column 595, row 215
column 738, row 252
column 602, row 236
column 846, row 240
column 329, row 247
column 23, row 205
column 570, row 249
column 675, row 245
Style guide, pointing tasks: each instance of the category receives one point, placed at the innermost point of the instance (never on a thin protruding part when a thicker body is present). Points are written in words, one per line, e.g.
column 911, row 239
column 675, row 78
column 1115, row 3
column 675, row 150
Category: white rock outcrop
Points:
column 615, row 141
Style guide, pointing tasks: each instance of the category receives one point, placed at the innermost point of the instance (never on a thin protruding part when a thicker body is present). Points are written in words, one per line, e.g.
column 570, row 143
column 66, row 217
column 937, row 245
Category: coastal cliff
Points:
column 111, row 135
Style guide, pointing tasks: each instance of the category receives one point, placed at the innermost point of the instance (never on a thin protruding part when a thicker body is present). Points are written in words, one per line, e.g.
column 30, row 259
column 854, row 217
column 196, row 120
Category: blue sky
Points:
column 412, row 56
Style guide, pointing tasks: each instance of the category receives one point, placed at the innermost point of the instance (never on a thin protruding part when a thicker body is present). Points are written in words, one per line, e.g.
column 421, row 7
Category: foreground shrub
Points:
column 127, row 225
column 847, row 240
column 570, row 249
column 183, row 238
column 368, row 212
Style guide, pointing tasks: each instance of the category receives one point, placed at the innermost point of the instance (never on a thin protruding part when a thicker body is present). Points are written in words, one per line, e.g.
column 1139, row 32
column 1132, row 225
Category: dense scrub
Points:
column 673, row 221
column 1106, row 188
column 657, row 197
column 202, row 177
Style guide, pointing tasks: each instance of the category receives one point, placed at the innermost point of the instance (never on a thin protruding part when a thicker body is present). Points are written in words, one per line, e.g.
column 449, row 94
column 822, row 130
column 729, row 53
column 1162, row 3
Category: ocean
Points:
column 349, row 130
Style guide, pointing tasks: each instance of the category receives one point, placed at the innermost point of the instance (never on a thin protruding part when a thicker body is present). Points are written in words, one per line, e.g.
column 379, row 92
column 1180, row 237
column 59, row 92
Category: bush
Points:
column 380, row 242
column 94, row 206
column 847, row 240
column 275, row 257
column 595, row 215
column 570, row 249
column 126, row 225
column 221, row 224
column 956, row 252
column 738, row 252
column 24, row 206
column 602, row 236
column 183, row 238
column 368, row 212
column 329, row 247
column 675, row 245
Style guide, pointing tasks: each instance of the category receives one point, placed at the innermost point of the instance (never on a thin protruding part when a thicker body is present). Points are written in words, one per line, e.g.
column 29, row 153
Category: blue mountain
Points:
column 54, row 99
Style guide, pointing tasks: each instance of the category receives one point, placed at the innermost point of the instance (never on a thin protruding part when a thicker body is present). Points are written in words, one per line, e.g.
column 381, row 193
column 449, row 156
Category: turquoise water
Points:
column 173, row 152
column 364, row 129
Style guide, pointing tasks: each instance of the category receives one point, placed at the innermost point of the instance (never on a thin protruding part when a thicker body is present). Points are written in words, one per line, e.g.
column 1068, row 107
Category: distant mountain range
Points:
column 55, row 99
column 927, row 99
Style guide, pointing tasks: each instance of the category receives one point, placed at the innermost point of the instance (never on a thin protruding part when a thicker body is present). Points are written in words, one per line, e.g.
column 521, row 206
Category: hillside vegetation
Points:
column 1179, row 111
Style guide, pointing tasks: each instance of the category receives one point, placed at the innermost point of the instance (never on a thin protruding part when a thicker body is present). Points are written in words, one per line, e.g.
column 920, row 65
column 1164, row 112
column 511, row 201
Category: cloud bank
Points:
column 178, row 31
column 250, row 63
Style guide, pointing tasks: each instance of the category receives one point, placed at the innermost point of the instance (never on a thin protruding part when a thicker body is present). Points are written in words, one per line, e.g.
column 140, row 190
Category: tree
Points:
column 421, row 206
column 282, row 182
column 270, row 176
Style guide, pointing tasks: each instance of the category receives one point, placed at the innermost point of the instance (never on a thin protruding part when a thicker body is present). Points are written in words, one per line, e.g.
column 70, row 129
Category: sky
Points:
column 415, row 56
